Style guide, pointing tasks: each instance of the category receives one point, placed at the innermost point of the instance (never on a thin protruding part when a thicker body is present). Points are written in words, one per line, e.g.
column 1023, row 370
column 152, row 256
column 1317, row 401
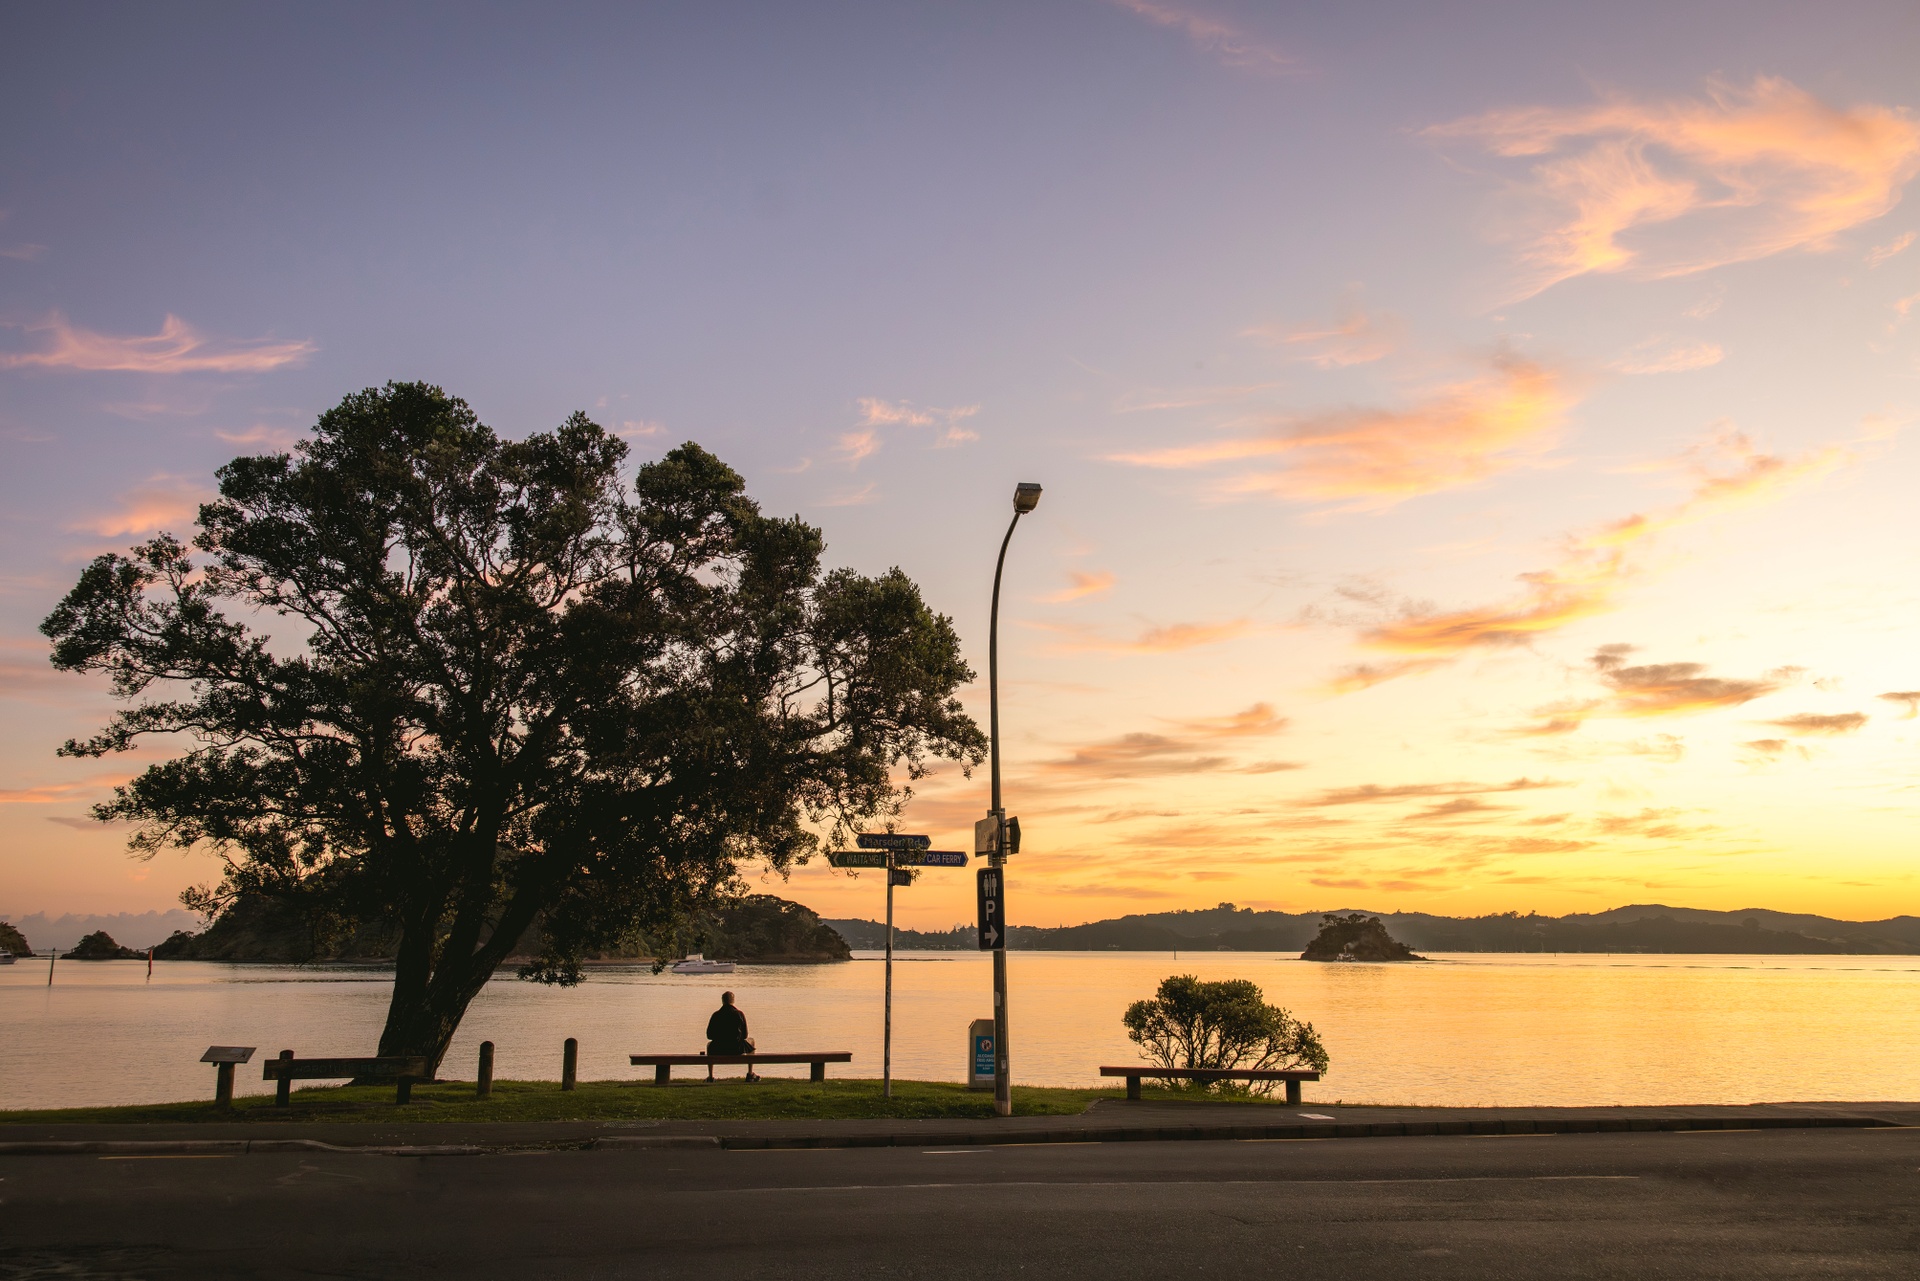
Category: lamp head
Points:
column 1026, row 497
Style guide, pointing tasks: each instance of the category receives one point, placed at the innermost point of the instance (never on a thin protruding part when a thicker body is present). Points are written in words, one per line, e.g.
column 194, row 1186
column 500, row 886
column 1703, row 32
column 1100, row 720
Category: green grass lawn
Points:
column 728, row 1100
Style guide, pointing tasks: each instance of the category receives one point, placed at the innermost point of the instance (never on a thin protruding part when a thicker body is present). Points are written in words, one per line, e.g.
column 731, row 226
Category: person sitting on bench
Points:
column 727, row 1034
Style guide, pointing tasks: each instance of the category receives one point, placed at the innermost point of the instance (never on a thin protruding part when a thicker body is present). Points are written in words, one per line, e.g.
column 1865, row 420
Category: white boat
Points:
column 697, row 963
column 6, row 957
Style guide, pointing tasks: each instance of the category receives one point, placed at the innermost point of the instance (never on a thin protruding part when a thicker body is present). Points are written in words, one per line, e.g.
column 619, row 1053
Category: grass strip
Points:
column 772, row 1099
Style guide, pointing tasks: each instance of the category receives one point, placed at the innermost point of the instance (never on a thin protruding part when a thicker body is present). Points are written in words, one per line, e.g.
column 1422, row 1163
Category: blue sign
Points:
column 983, row 1056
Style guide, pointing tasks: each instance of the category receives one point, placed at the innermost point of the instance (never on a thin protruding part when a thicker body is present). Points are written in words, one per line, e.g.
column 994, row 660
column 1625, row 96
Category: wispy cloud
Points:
column 1193, row 748
column 1357, row 338
column 1815, row 725
column 1453, row 435
column 1668, row 356
column 1892, row 249
column 1728, row 470
column 1375, row 794
column 1227, row 43
column 1081, row 585
column 1671, row 689
column 1169, row 638
column 281, row 439
column 876, row 415
column 1666, row 188
column 1910, row 698
column 852, row 497
column 149, row 507
column 176, row 349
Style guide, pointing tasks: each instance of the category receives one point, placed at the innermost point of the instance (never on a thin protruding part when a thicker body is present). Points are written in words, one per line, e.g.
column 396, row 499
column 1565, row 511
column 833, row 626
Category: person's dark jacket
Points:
column 727, row 1031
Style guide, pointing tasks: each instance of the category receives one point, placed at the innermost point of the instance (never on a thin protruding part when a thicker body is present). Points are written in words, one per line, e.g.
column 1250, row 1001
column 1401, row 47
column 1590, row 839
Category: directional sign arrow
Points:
column 857, row 858
column 892, row 841
column 991, row 935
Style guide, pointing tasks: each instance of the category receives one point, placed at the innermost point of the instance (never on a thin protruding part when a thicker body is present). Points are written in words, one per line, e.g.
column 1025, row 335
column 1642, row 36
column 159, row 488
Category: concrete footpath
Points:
column 1106, row 1121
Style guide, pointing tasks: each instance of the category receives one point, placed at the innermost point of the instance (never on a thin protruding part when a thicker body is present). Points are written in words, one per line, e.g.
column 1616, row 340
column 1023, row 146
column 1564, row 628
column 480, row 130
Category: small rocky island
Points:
column 1357, row 937
column 102, row 946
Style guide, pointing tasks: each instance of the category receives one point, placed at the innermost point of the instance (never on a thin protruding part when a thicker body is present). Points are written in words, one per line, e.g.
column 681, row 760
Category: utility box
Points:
column 980, row 1055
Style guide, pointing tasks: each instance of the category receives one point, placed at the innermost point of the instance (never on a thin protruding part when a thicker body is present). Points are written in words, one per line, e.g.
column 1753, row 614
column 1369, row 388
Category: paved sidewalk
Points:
column 1108, row 1120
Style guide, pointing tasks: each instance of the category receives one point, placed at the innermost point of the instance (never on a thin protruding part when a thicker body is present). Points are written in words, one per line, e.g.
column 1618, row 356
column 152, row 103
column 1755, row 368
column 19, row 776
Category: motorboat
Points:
column 697, row 963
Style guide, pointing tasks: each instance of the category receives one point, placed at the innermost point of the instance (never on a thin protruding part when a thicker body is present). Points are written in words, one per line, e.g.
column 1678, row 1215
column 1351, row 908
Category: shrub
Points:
column 1227, row 1024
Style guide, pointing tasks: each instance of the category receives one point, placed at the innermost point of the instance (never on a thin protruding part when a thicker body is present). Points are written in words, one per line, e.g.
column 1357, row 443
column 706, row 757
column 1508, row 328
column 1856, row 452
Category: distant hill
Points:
column 139, row 930
column 1647, row 927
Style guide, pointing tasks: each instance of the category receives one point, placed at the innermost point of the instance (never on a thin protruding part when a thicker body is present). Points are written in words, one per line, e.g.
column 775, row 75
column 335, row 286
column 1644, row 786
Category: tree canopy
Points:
column 517, row 687
column 1191, row 1023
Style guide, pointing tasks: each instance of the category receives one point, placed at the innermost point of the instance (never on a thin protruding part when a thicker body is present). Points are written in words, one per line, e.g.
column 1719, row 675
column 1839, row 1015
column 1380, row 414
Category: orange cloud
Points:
column 1727, row 470
column 1685, row 185
column 176, row 349
column 1810, row 724
column 1082, row 585
column 1256, row 721
column 1456, row 435
column 1168, row 639
column 876, row 413
column 1897, row 246
column 1910, row 697
column 1144, row 754
column 1671, row 689
column 1373, row 793
column 147, row 508
column 1665, row 356
column 1358, row 339
column 1227, row 43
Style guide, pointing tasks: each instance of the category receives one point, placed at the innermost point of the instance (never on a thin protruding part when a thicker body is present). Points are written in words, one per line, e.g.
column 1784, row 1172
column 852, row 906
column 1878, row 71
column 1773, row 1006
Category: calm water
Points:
column 1467, row 1030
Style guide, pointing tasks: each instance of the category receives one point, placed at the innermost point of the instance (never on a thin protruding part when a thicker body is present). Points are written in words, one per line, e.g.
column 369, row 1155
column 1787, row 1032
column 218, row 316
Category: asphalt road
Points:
column 1754, row 1204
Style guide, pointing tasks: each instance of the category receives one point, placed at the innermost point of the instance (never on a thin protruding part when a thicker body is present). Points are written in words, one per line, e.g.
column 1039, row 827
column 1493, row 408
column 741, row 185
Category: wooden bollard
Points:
column 569, row 1064
column 283, row 1088
column 485, row 1086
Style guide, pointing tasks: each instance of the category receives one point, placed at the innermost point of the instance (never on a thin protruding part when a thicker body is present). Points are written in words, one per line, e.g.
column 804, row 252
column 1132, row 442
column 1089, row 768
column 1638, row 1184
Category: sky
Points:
column 1478, row 439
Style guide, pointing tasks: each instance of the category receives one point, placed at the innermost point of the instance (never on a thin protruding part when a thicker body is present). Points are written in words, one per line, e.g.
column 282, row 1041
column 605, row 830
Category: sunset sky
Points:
column 1479, row 439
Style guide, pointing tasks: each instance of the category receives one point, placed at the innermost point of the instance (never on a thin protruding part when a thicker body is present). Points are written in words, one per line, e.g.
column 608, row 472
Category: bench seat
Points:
column 1292, row 1076
column 663, row 1064
column 402, row 1069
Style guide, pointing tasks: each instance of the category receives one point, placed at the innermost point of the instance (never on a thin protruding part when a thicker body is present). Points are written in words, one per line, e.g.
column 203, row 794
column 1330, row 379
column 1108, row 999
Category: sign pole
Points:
column 886, row 1040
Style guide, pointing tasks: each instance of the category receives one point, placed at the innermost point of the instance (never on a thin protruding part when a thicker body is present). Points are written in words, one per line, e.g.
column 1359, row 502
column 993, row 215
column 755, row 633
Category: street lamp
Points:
column 1026, row 497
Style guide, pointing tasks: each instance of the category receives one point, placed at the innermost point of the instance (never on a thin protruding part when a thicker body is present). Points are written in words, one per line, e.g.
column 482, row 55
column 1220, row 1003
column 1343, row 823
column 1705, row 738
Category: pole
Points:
column 1002, row 1076
column 886, row 1038
column 483, row 1087
column 569, row 1063
column 52, row 956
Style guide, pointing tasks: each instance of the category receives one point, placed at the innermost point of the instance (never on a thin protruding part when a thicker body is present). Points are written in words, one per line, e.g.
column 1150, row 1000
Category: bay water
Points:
column 1467, row 1030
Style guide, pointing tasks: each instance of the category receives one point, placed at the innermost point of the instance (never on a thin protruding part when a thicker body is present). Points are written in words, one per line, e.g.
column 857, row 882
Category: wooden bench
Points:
column 402, row 1069
column 663, row 1064
column 1292, row 1076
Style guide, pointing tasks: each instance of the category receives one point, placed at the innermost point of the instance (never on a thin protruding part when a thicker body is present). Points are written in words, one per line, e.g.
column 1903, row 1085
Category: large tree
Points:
column 516, row 689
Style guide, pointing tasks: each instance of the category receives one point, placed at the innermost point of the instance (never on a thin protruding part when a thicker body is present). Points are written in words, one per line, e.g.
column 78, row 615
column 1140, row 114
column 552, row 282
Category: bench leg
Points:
column 662, row 1073
column 819, row 1072
column 283, row 1089
column 1133, row 1088
column 1293, row 1092
column 403, row 1091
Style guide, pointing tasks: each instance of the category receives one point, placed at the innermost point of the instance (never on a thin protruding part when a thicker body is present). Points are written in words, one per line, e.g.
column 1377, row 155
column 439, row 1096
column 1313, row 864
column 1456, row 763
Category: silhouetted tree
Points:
column 1226, row 1024
column 515, row 689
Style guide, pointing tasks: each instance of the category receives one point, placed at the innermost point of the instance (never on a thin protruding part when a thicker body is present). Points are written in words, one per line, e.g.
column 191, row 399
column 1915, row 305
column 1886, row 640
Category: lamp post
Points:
column 1026, row 497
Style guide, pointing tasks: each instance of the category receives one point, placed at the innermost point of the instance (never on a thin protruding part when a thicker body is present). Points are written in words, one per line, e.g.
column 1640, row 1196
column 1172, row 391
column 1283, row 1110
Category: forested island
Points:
column 757, row 928
column 1640, row 928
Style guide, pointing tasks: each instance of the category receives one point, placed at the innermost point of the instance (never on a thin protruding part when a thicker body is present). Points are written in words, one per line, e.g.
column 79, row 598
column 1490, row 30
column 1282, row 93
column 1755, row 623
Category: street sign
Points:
column 892, row 841
column 1013, row 835
column 993, row 909
column 980, row 1055
column 930, row 858
column 900, row 876
column 857, row 858
column 986, row 834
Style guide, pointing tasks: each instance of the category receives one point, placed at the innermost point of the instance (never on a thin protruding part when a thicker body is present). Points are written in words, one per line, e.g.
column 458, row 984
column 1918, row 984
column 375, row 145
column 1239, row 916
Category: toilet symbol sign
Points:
column 993, row 909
